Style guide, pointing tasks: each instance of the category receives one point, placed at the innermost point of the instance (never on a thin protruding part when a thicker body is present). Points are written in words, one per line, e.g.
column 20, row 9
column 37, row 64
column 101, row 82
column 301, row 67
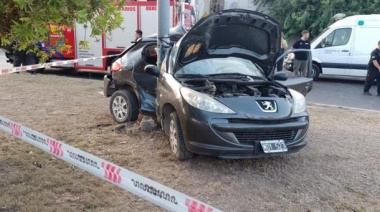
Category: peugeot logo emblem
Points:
column 268, row 106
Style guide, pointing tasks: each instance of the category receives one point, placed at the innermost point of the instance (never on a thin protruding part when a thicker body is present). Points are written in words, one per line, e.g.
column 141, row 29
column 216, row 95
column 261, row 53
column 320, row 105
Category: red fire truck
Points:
column 137, row 15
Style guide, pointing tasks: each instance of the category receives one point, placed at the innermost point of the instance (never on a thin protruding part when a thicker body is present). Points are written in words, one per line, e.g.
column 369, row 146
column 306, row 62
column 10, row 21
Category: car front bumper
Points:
column 230, row 136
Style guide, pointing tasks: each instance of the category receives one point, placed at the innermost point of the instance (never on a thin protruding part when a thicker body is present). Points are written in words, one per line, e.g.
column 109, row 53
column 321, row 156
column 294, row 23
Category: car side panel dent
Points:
column 147, row 103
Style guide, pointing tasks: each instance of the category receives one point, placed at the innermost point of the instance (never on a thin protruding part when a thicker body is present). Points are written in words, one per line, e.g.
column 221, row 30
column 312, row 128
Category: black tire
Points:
column 177, row 143
column 124, row 106
column 315, row 72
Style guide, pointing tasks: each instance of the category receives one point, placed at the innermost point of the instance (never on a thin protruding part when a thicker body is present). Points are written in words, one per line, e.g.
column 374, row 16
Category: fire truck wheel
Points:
column 124, row 106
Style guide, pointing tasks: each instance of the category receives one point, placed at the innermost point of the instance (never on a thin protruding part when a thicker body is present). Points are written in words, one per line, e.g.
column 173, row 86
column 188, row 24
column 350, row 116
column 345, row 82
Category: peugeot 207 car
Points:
column 216, row 93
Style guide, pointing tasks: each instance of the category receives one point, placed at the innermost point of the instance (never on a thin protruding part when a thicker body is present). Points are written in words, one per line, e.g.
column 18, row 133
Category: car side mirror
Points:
column 152, row 70
column 280, row 76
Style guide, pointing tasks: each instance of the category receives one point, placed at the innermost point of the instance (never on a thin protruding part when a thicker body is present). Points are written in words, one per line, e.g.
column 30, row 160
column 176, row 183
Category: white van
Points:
column 344, row 48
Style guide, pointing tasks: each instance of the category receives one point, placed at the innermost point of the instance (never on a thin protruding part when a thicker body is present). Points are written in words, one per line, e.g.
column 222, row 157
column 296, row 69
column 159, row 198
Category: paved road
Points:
column 343, row 92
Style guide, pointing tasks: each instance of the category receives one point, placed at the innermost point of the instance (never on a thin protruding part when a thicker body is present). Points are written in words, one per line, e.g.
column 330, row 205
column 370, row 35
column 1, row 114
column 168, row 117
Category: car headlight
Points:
column 204, row 102
column 299, row 101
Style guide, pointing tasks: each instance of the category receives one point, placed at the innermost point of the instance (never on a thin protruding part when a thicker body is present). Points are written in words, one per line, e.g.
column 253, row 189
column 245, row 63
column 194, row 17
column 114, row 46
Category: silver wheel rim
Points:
column 173, row 137
column 120, row 108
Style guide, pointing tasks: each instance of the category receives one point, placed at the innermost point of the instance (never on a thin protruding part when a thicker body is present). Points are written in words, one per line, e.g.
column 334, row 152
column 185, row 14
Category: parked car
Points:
column 216, row 92
column 343, row 49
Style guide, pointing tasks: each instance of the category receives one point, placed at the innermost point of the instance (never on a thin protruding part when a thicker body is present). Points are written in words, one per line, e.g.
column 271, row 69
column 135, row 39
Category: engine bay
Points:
column 223, row 89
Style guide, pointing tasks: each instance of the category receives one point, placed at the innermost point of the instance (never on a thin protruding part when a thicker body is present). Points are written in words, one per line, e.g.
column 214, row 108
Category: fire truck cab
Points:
column 138, row 15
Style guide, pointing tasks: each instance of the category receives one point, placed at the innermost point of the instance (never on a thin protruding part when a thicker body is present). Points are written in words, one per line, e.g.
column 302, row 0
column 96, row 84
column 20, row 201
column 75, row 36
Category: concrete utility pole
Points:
column 163, row 35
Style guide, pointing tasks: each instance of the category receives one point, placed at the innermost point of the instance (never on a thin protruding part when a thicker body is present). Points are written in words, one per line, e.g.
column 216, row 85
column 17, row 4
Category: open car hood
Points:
column 236, row 32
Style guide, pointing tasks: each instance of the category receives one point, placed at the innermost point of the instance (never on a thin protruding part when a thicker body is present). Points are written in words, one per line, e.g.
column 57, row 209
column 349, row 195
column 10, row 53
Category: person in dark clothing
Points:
column 373, row 72
column 301, row 58
column 138, row 34
column 25, row 58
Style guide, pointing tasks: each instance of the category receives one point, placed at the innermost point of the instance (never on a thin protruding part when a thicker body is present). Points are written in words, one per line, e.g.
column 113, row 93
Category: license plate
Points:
column 274, row 146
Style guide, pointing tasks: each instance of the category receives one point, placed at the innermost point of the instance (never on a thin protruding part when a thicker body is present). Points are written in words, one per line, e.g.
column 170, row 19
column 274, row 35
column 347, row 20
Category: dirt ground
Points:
column 339, row 170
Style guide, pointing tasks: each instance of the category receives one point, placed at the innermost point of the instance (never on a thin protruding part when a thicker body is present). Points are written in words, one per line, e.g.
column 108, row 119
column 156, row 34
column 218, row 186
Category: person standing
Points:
column 301, row 58
column 373, row 72
column 25, row 58
column 138, row 34
column 284, row 47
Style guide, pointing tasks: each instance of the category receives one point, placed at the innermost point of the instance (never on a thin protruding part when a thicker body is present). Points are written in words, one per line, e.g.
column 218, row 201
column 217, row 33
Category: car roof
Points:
column 369, row 20
column 175, row 34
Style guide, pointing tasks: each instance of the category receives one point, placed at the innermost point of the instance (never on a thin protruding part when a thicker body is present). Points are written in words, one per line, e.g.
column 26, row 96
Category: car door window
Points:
column 328, row 40
column 151, row 54
column 338, row 37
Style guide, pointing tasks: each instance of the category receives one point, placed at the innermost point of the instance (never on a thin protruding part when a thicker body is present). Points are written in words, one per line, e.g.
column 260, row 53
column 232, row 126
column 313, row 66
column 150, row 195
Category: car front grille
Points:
column 262, row 122
column 251, row 137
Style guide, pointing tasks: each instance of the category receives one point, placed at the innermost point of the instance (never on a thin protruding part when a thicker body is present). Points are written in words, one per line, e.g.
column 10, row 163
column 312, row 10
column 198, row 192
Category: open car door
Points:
column 301, row 84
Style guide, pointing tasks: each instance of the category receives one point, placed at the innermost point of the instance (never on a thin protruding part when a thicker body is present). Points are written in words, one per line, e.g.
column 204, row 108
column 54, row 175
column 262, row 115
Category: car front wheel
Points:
column 124, row 106
column 177, row 143
column 315, row 71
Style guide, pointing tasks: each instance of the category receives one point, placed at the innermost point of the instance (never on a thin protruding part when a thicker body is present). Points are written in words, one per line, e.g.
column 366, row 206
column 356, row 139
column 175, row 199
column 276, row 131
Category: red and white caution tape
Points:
column 150, row 190
column 4, row 71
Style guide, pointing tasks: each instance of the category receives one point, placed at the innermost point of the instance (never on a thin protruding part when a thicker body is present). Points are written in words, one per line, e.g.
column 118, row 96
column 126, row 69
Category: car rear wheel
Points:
column 177, row 143
column 124, row 106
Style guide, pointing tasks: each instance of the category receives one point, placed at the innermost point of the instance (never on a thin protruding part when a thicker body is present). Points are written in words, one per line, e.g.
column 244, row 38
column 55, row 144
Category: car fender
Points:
column 124, row 83
column 164, row 111
column 124, row 79
column 301, row 84
column 169, row 99
column 317, row 61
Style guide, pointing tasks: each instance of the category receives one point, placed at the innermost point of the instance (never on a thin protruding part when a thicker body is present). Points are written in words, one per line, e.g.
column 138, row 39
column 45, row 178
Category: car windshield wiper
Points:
column 234, row 76
column 190, row 76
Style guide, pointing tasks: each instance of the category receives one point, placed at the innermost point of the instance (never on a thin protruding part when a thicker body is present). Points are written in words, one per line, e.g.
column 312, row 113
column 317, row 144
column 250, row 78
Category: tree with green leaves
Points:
column 27, row 21
column 315, row 15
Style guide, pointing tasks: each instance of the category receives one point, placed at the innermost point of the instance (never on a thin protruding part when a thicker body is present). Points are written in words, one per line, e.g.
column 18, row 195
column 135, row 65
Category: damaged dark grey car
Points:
column 216, row 93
